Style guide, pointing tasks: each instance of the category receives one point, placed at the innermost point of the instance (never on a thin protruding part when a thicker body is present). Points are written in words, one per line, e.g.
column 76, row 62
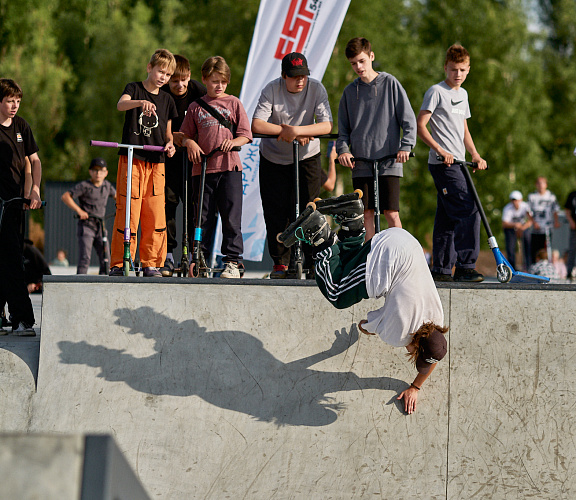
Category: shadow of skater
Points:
column 229, row 369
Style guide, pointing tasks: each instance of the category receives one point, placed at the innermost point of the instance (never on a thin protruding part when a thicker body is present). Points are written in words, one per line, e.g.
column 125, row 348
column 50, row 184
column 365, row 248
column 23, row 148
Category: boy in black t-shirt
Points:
column 16, row 143
column 184, row 91
column 148, row 121
column 92, row 196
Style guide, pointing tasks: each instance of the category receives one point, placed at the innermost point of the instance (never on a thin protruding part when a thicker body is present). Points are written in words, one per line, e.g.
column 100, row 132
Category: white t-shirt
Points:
column 511, row 215
column 450, row 110
column 396, row 269
column 543, row 207
column 277, row 105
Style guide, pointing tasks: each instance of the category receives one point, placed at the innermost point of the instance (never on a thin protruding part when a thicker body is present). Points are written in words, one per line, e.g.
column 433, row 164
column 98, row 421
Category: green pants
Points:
column 341, row 271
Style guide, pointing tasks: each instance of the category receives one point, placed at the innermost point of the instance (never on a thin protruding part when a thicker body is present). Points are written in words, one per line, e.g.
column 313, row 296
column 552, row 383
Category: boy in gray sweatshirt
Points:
column 373, row 110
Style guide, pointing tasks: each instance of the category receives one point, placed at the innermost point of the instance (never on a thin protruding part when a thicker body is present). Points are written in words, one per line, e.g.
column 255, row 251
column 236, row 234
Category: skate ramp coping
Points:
column 263, row 390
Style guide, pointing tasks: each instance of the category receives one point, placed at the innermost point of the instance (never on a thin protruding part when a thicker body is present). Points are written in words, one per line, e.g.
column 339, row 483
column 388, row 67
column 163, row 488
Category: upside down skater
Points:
column 390, row 265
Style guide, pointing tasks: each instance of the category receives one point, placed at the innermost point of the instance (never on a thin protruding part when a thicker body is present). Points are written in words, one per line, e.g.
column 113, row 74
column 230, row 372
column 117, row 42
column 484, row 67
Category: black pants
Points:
column 279, row 200
column 223, row 195
column 13, row 289
column 174, row 194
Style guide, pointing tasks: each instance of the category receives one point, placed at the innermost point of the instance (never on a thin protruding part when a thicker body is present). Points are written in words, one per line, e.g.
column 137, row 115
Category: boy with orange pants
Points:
column 148, row 121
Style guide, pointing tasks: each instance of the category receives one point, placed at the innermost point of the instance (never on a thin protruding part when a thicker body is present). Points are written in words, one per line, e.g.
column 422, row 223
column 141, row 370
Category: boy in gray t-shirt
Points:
column 293, row 108
column 456, row 237
column 92, row 196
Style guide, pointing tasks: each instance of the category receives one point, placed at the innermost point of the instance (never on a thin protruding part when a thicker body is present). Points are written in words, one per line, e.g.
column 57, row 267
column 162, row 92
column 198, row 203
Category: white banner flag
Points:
column 306, row 26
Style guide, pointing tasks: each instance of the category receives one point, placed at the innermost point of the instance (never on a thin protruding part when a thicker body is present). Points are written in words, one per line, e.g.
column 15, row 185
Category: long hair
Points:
column 423, row 333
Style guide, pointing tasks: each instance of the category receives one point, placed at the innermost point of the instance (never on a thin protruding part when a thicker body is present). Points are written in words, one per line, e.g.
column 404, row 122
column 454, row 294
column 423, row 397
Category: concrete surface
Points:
column 42, row 467
column 263, row 390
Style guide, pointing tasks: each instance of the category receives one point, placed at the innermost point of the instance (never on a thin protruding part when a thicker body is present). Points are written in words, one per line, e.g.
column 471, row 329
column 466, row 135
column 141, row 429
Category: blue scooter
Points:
column 504, row 270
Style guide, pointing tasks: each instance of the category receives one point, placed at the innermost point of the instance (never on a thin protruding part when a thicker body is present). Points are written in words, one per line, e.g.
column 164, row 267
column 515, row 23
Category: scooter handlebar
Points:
column 471, row 164
column 372, row 160
column 106, row 144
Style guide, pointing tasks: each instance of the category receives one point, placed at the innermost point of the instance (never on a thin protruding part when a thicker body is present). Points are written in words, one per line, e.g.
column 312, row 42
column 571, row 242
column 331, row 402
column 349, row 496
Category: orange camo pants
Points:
column 147, row 208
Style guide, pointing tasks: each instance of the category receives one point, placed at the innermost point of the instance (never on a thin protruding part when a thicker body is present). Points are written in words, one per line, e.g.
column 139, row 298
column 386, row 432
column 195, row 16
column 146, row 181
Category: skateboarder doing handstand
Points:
column 391, row 265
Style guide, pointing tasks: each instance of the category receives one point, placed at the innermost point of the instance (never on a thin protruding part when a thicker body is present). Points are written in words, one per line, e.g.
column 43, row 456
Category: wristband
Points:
column 415, row 386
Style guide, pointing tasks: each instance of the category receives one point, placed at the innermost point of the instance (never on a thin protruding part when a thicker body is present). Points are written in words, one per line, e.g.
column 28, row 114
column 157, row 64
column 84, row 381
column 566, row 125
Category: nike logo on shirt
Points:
column 455, row 103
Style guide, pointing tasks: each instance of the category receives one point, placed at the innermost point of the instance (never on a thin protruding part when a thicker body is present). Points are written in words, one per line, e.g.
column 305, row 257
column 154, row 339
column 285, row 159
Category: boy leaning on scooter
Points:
column 223, row 181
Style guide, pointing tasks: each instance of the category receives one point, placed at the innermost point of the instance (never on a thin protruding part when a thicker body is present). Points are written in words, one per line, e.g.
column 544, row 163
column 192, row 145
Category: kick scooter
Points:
column 128, row 264
column 375, row 165
column 198, row 266
column 504, row 270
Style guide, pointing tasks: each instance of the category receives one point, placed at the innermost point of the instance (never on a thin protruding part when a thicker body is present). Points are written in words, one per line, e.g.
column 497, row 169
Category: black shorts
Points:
column 388, row 186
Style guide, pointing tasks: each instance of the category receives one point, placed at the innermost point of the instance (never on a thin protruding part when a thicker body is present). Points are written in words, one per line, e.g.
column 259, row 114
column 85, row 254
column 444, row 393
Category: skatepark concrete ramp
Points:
column 256, row 389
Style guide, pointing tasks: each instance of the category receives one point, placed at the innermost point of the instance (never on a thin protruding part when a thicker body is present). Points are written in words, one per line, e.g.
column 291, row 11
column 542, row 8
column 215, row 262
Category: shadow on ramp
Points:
column 229, row 369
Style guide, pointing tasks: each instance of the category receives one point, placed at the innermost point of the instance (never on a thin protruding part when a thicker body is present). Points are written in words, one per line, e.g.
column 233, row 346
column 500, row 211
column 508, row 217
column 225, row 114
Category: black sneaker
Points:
column 442, row 277
column 116, row 271
column 346, row 210
column 168, row 269
column 468, row 275
column 311, row 227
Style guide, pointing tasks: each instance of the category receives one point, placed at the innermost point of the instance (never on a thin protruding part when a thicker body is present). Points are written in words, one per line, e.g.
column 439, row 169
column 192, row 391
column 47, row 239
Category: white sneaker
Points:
column 24, row 330
column 231, row 270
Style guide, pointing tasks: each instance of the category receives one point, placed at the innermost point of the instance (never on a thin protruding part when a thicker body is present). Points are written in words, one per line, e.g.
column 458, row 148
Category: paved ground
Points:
column 252, row 389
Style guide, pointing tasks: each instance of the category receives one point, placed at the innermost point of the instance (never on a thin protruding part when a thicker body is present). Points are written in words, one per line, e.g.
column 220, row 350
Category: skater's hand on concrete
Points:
column 410, row 397
column 345, row 159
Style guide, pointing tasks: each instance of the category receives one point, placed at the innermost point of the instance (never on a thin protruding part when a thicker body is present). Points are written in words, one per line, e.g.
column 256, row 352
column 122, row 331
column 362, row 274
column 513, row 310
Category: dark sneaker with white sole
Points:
column 168, row 269
column 467, row 275
column 116, row 271
column 151, row 272
column 310, row 227
column 24, row 330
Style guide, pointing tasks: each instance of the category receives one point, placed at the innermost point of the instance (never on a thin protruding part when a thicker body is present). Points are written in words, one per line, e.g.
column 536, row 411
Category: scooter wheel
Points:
column 311, row 204
column 503, row 273
column 360, row 193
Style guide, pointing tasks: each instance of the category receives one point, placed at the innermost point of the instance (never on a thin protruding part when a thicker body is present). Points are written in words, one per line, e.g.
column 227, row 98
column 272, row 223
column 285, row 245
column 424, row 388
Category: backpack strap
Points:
column 223, row 121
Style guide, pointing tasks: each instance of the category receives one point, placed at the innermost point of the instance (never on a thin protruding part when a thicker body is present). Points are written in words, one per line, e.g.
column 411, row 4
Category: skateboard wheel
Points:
column 360, row 193
column 316, row 200
column 312, row 204
column 278, row 238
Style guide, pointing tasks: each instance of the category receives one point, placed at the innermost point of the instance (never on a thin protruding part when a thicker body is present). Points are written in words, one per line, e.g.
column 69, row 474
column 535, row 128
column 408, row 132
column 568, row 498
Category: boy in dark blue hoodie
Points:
column 373, row 110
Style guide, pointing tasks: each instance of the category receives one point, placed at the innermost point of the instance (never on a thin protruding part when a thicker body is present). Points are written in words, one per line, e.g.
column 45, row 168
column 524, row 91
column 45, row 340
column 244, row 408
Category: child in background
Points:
column 223, row 185
column 92, row 196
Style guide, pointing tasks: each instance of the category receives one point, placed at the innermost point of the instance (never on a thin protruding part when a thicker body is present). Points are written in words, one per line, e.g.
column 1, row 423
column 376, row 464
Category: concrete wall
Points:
column 266, row 391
